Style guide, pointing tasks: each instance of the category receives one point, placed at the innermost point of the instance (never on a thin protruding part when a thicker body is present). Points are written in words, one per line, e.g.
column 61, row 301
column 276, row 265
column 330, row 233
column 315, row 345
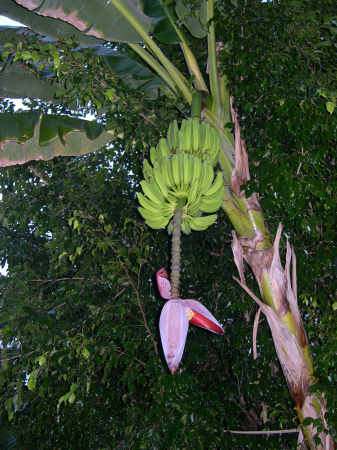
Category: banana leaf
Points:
column 88, row 21
column 33, row 136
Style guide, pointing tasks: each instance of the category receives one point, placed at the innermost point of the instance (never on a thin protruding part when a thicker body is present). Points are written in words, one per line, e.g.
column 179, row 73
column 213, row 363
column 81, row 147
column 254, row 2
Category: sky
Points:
column 5, row 21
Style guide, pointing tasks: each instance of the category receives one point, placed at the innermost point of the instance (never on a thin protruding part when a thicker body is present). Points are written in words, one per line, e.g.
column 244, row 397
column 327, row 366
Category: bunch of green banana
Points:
column 182, row 176
column 195, row 137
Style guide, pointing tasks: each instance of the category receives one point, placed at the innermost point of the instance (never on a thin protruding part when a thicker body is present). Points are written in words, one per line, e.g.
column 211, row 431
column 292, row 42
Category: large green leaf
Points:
column 99, row 18
column 32, row 136
column 18, row 82
column 138, row 76
column 163, row 28
column 196, row 25
column 45, row 25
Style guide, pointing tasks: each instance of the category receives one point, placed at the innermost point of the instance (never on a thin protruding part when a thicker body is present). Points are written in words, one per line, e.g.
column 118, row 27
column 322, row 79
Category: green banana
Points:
column 210, row 207
column 182, row 126
column 209, row 177
column 153, row 155
column 195, row 136
column 217, row 183
column 155, row 188
column 161, row 183
column 203, row 173
column 155, row 196
column 154, row 217
column 164, row 148
column 202, row 136
column 165, row 165
column 201, row 223
column 195, row 205
column 215, row 149
column 175, row 134
column 148, row 204
column 181, row 171
column 188, row 135
column 209, row 199
column 211, row 142
column 192, row 193
column 206, row 135
column 147, row 170
column 175, row 170
column 160, row 180
column 185, row 226
column 186, row 168
column 170, row 227
column 170, row 172
column 191, row 167
column 158, row 225
column 181, row 144
column 196, row 168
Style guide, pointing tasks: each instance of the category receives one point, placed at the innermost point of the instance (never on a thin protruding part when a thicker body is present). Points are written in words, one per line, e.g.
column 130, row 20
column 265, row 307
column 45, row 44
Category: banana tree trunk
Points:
column 252, row 242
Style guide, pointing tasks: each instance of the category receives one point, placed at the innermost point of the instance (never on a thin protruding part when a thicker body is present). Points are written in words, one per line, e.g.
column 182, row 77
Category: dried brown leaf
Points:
column 238, row 255
column 278, row 279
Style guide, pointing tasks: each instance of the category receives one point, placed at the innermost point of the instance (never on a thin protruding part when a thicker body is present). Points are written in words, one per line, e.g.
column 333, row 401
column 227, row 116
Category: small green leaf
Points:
column 64, row 398
column 330, row 107
column 334, row 306
column 121, row 310
column 110, row 94
column 41, row 360
column 57, row 62
column 62, row 254
column 60, row 93
column 9, row 404
column 31, row 381
column 85, row 353
column 73, row 387
column 191, row 435
column 97, row 103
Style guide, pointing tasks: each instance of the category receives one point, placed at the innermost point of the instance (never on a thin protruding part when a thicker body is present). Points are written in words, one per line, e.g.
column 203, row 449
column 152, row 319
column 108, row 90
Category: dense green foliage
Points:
column 282, row 72
column 76, row 294
column 80, row 305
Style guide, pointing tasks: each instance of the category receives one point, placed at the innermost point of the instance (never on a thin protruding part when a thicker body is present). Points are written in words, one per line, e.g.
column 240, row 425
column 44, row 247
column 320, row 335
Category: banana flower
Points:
column 173, row 324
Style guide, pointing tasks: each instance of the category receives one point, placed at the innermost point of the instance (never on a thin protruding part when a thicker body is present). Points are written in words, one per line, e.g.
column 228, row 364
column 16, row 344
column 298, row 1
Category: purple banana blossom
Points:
column 173, row 324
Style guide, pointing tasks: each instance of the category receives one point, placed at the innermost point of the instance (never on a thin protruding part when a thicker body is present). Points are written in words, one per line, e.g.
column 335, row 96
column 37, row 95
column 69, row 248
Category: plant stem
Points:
column 155, row 65
column 196, row 105
column 178, row 78
column 176, row 250
column 213, row 64
column 188, row 54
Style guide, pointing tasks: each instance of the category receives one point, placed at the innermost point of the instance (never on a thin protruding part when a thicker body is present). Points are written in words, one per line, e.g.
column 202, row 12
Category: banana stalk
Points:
column 176, row 250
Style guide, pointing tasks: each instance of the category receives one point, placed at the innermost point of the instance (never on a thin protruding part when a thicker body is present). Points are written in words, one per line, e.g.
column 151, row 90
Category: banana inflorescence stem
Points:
column 176, row 250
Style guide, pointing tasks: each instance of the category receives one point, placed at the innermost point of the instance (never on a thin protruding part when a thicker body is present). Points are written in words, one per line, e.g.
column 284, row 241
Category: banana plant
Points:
column 141, row 25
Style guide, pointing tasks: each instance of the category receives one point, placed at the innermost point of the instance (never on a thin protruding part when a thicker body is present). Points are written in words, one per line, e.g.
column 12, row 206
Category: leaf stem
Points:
column 155, row 65
column 178, row 78
column 213, row 63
